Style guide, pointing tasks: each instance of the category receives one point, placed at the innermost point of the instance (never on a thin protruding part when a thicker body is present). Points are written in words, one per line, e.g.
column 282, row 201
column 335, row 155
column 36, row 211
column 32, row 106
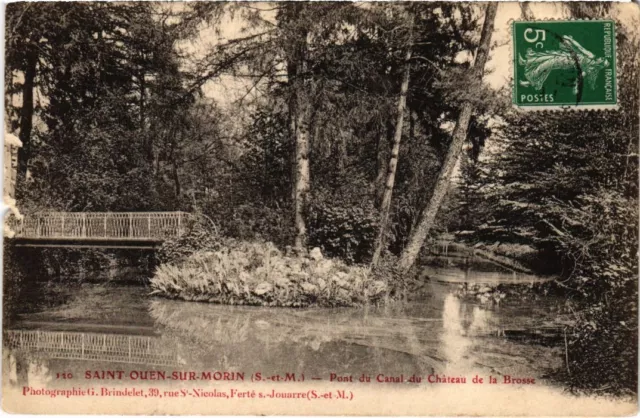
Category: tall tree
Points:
column 24, row 32
column 27, row 110
column 385, row 206
column 428, row 214
column 296, row 30
column 107, row 72
column 301, row 117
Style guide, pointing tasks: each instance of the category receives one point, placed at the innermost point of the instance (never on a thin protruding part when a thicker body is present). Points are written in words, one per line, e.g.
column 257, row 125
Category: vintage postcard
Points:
column 321, row 208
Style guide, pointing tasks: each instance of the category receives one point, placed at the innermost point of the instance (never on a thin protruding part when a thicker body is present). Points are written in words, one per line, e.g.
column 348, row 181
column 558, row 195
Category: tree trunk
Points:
column 413, row 117
column 384, row 148
column 22, row 369
column 176, row 178
column 385, row 207
column 291, row 75
column 302, row 172
column 381, row 156
column 341, row 151
column 143, row 99
column 525, row 11
column 26, row 114
column 428, row 215
column 302, row 178
column 174, row 171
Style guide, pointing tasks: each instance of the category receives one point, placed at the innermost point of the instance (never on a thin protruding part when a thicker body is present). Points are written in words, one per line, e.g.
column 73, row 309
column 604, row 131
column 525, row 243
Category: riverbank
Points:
column 259, row 274
column 511, row 257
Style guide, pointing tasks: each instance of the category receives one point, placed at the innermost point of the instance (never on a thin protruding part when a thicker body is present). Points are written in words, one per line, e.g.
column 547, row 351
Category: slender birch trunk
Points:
column 26, row 114
column 302, row 178
column 291, row 75
column 428, row 214
column 385, row 207
column 302, row 175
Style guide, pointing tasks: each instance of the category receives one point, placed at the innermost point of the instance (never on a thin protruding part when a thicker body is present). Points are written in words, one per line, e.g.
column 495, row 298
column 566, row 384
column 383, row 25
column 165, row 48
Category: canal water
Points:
column 75, row 328
column 114, row 337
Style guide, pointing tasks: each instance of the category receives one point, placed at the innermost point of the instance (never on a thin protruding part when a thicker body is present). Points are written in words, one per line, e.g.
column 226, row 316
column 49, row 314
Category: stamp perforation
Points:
column 591, row 107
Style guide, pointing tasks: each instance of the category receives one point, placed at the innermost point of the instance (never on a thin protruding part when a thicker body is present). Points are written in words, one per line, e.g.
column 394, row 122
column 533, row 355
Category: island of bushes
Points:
column 258, row 273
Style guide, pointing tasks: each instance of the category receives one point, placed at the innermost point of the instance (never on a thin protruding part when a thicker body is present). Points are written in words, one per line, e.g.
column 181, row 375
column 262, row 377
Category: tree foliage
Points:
column 112, row 102
column 566, row 184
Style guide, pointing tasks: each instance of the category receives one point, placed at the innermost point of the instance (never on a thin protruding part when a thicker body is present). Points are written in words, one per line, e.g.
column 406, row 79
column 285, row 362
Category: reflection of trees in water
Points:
column 473, row 341
column 234, row 338
column 460, row 324
column 305, row 340
column 19, row 365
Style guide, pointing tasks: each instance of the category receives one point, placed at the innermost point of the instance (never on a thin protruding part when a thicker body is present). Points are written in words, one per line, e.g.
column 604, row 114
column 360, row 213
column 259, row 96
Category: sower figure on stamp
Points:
column 538, row 65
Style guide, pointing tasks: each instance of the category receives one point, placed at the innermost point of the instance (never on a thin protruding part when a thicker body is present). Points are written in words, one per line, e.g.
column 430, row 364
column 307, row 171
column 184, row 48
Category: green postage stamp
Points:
column 564, row 64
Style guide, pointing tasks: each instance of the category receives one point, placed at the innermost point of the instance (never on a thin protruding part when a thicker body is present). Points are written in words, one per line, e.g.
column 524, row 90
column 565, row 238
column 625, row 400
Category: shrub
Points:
column 603, row 346
column 257, row 273
column 342, row 231
column 599, row 235
column 257, row 221
column 201, row 235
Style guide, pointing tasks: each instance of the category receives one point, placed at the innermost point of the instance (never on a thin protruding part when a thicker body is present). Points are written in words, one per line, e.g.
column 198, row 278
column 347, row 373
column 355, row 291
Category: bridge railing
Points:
column 102, row 225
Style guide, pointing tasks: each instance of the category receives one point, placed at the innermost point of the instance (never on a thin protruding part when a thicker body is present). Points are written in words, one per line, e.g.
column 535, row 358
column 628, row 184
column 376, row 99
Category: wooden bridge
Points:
column 93, row 346
column 98, row 229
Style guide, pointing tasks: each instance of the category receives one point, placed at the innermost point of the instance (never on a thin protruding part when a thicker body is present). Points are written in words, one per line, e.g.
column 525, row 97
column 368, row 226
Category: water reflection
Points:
column 23, row 368
column 450, row 274
column 349, row 340
column 345, row 341
column 459, row 328
column 438, row 334
column 454, row 340
column 93, row 346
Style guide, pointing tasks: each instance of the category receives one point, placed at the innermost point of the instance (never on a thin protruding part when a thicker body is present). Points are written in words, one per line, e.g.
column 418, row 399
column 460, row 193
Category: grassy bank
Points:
column 258, row 273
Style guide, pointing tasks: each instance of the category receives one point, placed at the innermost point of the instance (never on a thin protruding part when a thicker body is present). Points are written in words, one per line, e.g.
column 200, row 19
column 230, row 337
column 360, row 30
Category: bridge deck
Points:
column 102, row 229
